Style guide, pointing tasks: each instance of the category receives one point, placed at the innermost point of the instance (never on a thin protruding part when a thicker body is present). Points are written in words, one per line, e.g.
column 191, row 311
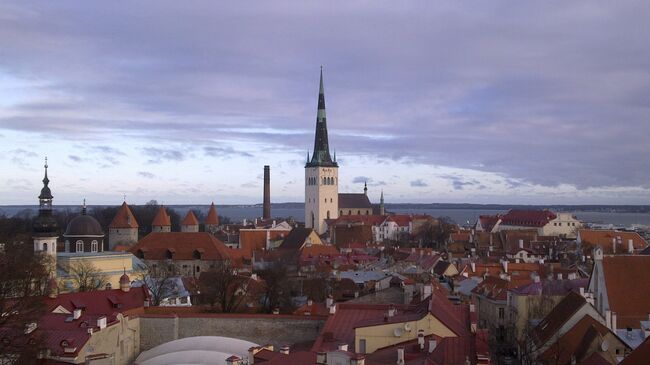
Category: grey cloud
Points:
column 419, row 183
column 75, row 158
column 158, row 155
column 368, row 180
column 521, row 95
column 225, row 152
column 145, row 174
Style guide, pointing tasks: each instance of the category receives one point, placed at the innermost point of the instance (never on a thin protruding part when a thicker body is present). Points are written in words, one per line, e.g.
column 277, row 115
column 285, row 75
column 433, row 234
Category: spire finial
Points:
column 334, row 155
column 45, row 179
column 83, row 207
column 124, row 197
column 365, row 187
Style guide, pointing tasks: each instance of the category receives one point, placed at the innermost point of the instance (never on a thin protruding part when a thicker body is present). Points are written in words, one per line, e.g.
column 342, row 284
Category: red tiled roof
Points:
column 527, row 218
column 161, row 218
column 454, row 351
column 572, row 342
column 401, row 220
column 190, row 219
column 213, row 217
column 627, row 279
column 124, row 218
column 372, row 220
column 559, row 315
column 183, row 245
column 590, row 238
column 353, row 200
column 488, row 222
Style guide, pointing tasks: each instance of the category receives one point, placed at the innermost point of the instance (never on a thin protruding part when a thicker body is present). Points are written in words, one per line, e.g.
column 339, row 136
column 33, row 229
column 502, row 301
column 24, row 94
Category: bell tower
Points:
column 44, row 228
column 321, row 174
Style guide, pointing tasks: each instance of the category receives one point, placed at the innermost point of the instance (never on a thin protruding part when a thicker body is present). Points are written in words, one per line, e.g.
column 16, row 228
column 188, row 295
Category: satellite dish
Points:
column 407, row 327
column 398, row 332
column 604, row 346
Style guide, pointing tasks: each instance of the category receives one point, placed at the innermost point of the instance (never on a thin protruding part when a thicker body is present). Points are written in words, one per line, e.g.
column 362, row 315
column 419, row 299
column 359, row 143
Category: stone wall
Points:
column 122, row 236
column 262, row 329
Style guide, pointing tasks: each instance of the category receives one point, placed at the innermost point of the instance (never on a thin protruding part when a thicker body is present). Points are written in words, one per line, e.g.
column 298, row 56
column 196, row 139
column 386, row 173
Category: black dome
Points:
column 84, row 225
column 46, row 193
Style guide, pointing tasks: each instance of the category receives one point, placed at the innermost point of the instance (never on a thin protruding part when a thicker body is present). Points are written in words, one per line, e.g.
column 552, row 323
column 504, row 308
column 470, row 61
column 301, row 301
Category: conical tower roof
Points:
column 124, row 218
column 213, row 217
column 161, row 218
column 321, row 155
column 190, row 219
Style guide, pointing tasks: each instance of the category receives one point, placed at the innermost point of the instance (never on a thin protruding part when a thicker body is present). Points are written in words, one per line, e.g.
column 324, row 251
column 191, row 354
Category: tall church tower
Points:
column 44, row 228
column 321, row 174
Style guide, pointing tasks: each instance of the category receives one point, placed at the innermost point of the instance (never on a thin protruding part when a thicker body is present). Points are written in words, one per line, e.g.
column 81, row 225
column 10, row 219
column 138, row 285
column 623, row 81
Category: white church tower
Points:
column 321, row 174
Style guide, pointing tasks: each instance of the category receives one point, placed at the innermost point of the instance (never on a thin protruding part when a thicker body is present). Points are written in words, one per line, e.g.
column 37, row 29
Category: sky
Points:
column 458, row 102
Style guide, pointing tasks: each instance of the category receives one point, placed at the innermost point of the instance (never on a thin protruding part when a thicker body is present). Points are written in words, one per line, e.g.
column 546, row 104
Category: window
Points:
column 560, row 224
column 196, row 255
column 358, row 212
column 328, row 214
column 108, row 286
column 80, row 246
column 45, row 246
column 501, row 313
column 93, row 246
column 140, row 254
column 341, row 212
column 349, row 212
column 362, row 345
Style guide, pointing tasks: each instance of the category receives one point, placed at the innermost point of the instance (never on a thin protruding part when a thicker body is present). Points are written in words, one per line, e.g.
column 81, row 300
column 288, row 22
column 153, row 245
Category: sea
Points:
column 461, row 216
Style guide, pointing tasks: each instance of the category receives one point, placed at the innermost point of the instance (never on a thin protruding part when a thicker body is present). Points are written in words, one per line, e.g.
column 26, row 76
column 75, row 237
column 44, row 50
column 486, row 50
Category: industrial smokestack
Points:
column 266, row 210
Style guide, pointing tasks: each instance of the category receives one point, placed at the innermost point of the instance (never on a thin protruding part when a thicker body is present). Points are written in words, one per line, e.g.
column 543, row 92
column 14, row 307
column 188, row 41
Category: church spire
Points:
column 321, row 155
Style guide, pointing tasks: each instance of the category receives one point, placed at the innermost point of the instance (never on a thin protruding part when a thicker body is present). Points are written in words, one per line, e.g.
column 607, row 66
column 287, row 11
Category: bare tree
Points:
column 276, row 293
column 160, row 282
column 23, row 281
column 222, row 288
column 86, row 277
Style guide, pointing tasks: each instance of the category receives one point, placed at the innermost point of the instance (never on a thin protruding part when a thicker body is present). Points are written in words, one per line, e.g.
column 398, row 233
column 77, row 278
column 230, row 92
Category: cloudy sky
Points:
column 472, row 101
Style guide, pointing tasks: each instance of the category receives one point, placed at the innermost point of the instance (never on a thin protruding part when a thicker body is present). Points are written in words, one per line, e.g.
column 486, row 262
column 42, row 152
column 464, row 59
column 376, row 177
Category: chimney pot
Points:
column 400, row 355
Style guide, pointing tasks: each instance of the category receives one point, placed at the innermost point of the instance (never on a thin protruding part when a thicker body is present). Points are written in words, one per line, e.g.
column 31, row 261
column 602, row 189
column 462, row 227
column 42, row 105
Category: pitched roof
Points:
column 190, row 219
column 627, row 279
column 493, row 288
column 551, row 287
column 488, row 221
column 296, row 238
column 183, row 245
column 527, row 218
column 161, row 218
column 354, row 200
column 590, row 238
column 576, row 340
column 557, row 317
column 639, row 356
column 213, row 217
column 255, row 239
column 124, row 218
column 402, row 220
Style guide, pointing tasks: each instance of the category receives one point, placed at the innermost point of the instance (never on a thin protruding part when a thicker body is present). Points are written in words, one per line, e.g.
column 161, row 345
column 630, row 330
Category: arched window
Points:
column 45, row 246
column 80, row 246
column 94, row 246
column 341, row 212
column 196, row 255
column 349, row 212
column 108, row 286
column 313, row 220
column 325, row 200
column 358, row 212
column 168, row 255
column 328, row 214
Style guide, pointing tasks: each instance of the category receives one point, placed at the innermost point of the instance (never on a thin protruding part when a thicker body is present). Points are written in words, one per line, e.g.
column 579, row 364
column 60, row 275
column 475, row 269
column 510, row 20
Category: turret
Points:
column 190, row 223
column 123, row 229
column 212, row 220
column 161, row 222
column 125, row 282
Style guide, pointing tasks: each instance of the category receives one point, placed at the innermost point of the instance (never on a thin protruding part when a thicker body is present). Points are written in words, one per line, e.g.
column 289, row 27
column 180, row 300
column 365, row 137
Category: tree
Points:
column 160, row 283
column 435, row 232
column 23, row 280
column 86, row 277
column 276, row 291
column 222, row 288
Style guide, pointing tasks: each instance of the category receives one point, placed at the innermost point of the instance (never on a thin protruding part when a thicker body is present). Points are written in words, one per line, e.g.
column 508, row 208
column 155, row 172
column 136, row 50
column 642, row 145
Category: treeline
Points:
column 19, row 226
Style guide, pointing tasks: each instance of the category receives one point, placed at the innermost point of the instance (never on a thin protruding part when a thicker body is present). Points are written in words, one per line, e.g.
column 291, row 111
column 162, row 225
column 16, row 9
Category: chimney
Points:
column 608, row 319
column 472, row 308
column 473, row 264
column 613, row 245
column 329, row 301
column 310, row 302
column 321, row 358
column 630, row 246
column 521, row 244
column 421, row 339
column 559, row 276
column 505, row 265
column 432, row 344
column 268, row 239
column 266, row 207
column 76, row 314
column 343, row 346
column 233, row 360
column 101, row 322
column 333, row 309
column 284, row 350
column 400, row 355
column 614, row 322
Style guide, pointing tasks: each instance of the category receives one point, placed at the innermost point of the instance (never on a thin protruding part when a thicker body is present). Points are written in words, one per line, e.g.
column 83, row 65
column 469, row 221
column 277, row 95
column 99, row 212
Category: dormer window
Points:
column 140, row 254
column 196, row 255
column 169, row 255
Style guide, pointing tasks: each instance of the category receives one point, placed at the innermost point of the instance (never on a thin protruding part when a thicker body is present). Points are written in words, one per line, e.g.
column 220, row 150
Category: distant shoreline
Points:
column 415, row 206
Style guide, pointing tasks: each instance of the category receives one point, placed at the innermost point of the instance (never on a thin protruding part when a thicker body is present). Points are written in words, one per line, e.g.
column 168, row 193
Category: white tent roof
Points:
column 201, row 350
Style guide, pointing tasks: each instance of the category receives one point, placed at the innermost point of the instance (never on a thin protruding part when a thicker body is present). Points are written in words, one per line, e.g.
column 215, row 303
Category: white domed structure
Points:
column 201, row 350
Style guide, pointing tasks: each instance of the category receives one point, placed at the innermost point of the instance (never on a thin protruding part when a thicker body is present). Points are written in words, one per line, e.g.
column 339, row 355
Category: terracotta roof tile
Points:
column 124, row 218
column 527, row 218
column 557, row 317
column 590, row 238
column 213, row 217
column 352, row 200
column 627, row 279
column 190, row 219
column 161, row 218
column 639, row 356
column 575, row 340
column 183, row 244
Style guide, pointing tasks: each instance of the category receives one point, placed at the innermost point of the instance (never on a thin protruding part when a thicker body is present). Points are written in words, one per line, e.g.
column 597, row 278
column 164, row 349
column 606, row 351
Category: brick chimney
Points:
column 400, row 355
column 630, row 246
column 234, row 360
column 266, row 208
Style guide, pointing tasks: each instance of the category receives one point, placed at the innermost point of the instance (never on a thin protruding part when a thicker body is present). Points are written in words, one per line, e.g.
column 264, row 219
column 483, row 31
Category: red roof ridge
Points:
column 124, row 218
column 161, row 218
column 190, row 219
column 213, row 217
